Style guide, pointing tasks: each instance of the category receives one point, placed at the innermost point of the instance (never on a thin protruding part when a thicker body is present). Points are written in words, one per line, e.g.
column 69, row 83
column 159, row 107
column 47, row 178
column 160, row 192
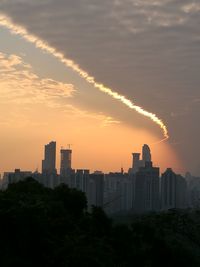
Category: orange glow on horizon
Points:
column 32, row 113
column 94, row 147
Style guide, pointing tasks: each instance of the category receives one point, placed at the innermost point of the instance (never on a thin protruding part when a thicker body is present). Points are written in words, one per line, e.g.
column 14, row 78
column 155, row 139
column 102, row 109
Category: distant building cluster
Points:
column 140, row 190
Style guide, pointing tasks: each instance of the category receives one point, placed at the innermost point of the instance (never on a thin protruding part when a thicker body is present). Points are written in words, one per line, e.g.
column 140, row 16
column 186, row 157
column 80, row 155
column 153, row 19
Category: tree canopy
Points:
column 52, row 227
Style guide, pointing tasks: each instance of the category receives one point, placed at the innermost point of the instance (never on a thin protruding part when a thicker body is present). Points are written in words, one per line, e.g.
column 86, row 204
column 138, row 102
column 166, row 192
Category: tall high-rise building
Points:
column 65, row 162
column 118, row 192
column 146, row 154
column 136, row 162
column 193, row 184
column 147, row 189
column 173, row 190
column 96, row 189
column 49, row 161
column 14, row 177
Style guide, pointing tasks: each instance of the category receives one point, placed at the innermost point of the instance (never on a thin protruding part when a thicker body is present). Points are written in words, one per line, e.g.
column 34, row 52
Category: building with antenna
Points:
column 139, row 191
column 65, row 162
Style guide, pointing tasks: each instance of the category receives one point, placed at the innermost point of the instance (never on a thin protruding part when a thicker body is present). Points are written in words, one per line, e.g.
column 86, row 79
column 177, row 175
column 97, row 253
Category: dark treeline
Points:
column 44, row 227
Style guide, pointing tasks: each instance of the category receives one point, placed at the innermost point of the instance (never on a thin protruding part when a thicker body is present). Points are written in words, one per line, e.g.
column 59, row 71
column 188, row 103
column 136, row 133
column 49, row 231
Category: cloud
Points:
column 152, row 40
column 19, row 84
column 191, row 7
column 147, row 49
column 22, row 90
column 8, row 62
column 39, row 43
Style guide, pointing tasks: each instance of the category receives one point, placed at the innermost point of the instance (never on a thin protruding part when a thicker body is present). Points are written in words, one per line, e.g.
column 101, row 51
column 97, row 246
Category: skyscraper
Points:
column 147, row 189
column 146, row 154
column 173, row 190
column 136, row 162
column 49, row 161
column 82, row 180
column 65, row 161
column 96, row 189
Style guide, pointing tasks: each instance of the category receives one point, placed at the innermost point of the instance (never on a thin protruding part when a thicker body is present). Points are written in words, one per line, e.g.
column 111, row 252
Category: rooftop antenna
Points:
column 122, row 169
column 69, row 146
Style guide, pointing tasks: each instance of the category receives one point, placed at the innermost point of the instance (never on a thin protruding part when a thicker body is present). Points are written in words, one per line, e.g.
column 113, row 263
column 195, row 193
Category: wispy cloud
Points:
column 19, row 84
column 193, row 7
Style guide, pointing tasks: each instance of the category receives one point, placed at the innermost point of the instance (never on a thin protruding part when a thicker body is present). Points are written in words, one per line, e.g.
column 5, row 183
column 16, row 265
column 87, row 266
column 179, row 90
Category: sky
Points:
column 145, row 50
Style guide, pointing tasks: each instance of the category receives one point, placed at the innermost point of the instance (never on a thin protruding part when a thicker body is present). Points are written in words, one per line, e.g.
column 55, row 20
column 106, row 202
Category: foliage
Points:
column 45, row 227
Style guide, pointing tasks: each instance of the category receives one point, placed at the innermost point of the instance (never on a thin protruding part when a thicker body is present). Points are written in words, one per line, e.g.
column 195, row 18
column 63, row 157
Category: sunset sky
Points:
column 145, row 50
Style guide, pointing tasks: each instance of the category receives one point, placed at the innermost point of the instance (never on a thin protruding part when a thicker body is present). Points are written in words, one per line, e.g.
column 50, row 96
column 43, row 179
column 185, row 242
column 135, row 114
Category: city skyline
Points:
column 140, row 189
column 99, row 133
column 106, row 77
column 56, row 157
column 55, row 160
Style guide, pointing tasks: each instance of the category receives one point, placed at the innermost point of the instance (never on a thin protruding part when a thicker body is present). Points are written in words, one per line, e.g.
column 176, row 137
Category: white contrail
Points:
column 19, row 30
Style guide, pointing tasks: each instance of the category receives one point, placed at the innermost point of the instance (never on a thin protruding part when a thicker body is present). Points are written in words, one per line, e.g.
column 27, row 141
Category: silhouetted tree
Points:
column 52, row 227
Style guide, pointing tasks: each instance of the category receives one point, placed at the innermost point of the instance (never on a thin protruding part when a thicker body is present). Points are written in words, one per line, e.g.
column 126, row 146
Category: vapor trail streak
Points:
column 19, row 30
